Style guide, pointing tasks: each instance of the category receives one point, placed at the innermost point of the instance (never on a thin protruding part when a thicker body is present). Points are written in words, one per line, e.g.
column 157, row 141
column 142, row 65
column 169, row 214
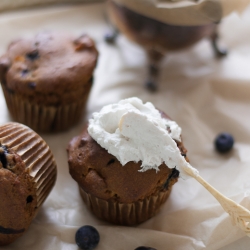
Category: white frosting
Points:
column 133, row 131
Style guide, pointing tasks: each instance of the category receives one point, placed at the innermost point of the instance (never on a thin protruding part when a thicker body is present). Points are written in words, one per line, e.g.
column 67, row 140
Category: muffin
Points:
column 27, row 175
column 116, row 183
column 46, row 80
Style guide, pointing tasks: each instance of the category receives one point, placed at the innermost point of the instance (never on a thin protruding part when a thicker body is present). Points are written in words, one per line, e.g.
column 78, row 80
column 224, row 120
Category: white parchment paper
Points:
column 204, row 95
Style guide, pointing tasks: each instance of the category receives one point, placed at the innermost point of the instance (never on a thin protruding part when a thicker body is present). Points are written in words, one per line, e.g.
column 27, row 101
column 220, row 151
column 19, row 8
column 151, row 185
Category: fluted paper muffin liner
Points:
column 44, row 118
column 36, row 155
column 122, row 213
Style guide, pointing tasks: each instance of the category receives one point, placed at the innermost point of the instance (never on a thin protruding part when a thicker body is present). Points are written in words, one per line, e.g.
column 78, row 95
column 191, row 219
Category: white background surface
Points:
column 204, row 95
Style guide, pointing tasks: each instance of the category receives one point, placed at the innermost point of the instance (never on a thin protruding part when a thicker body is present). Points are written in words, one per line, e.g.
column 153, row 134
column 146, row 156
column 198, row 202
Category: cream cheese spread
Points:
column 133, row 131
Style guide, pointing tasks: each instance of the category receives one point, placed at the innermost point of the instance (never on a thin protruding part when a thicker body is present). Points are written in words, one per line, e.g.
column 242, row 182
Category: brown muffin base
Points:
column 44, row 118
column 125, row 214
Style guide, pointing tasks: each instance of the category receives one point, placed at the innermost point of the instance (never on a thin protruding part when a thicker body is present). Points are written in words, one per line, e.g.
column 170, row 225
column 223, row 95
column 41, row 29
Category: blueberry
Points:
column 87, row 237
column 24, row 72
column 174, row 174
column 224, row 142
column 110, row 37
column 29, row 199
column 33, row 55
column 3, row 158
column 145, row 248
column 32, row 85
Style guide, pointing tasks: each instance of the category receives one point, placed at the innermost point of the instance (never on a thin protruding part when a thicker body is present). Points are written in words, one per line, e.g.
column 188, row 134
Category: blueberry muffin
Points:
column 27, row 175
column 46, row 79
column 118, row 193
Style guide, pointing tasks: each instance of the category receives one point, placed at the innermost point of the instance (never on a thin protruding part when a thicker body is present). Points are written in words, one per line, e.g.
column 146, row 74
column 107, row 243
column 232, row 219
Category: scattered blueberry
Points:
column 87, row 237
column 3, row 154
column 29, row 199
column 25, row 72
column 224, row 142
column 145, row 248
column 33, row 55
column 110, row 37
column 174, row 174
column 32, row 85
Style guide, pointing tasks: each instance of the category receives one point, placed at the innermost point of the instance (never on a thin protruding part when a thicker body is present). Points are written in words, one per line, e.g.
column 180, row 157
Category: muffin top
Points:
column 50, row 68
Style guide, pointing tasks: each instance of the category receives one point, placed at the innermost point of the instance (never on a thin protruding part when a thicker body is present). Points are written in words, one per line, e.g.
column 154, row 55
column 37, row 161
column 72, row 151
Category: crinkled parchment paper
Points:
column 203, row 94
